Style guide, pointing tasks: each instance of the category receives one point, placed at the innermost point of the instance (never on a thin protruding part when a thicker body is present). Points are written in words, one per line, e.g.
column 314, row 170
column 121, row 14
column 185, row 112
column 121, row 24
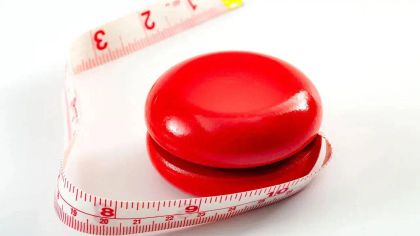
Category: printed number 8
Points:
column 107, row 212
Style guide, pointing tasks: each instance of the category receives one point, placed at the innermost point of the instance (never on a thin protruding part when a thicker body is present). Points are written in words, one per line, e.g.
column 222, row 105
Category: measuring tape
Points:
column 99, row 215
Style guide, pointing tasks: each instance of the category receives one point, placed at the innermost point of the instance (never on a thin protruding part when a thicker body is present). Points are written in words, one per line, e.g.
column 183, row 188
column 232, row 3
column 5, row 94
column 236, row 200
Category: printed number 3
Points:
column 149, row 25
column 100, row 43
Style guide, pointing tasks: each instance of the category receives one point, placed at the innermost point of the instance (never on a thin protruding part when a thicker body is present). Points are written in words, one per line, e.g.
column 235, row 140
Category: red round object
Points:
column 233, row 110
column 200, row 180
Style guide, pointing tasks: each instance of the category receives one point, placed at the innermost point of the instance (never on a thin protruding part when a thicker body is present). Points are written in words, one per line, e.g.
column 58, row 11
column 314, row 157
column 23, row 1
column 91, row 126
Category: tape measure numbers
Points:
column 99, row 215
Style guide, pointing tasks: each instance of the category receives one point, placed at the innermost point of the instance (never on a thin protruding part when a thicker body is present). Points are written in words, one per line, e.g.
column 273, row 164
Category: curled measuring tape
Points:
column 88, row 212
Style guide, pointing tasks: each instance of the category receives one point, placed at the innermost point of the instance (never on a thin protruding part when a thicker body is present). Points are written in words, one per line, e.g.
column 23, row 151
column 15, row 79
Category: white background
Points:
column 363, row 56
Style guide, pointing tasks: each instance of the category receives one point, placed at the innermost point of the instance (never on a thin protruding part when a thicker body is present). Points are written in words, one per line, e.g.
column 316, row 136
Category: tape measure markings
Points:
column 76, row 214
column 159, row 202
column 108, row 42
column 199, row 218
column 97, row 215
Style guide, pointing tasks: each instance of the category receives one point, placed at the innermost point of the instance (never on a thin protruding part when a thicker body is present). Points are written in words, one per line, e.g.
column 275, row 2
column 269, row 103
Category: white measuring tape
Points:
column 93, row 214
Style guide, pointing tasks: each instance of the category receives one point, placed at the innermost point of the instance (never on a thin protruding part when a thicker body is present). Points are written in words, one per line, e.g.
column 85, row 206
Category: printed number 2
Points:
column 100, row 43
column 149, row 25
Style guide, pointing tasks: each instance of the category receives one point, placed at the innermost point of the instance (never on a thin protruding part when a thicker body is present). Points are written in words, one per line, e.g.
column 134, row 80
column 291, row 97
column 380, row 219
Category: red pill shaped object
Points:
column 233, row 110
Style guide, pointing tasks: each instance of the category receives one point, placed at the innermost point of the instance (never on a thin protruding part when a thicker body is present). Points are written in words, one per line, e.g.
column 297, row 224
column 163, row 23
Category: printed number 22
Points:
column 100, row 43
column 149, row 25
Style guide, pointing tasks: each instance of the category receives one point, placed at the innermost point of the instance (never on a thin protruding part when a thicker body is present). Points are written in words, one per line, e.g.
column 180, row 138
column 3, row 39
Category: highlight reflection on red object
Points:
column 233, row 110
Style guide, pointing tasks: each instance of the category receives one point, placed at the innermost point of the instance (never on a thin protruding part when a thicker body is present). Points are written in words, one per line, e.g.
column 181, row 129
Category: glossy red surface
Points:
column 200, row 180
column 233, row 110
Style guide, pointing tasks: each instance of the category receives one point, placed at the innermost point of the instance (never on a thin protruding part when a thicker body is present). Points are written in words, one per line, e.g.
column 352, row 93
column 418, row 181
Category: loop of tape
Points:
column 90, row 213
